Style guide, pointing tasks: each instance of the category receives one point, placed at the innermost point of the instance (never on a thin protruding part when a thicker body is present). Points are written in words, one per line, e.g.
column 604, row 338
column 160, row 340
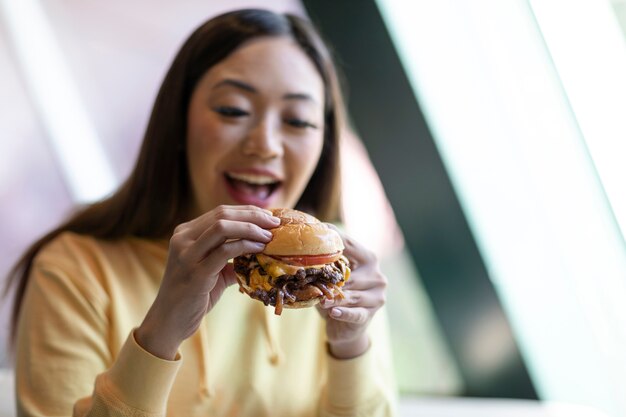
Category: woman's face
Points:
column 255, row 127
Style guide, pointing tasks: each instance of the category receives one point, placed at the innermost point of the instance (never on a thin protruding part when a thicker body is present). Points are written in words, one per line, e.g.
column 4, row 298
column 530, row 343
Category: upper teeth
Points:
column 253, row 179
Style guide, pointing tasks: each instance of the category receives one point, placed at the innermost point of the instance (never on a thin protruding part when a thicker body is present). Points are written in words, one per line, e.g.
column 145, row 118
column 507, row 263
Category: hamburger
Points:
column 302, row 264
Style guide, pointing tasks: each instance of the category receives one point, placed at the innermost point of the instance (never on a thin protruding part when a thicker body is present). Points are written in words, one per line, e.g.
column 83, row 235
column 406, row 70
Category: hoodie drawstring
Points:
column 206, row 390
column 275, row 353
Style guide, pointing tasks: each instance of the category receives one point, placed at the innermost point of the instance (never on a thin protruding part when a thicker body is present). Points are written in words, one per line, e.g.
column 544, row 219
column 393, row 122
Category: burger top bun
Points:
column 301, row 234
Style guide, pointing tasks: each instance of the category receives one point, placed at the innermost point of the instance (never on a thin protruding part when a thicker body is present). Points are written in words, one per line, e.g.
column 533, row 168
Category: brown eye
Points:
column 231, row 111
column 299, row 123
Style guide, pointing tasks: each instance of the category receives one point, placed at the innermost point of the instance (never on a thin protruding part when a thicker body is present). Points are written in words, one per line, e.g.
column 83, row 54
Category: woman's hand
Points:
column 347, row 319
column 197, row 272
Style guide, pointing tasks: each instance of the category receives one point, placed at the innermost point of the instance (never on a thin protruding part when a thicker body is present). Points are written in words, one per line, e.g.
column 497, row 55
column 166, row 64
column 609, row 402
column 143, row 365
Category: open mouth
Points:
column 253, row 189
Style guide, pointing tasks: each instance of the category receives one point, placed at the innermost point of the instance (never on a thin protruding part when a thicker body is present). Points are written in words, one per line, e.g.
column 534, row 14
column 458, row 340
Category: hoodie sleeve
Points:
column 365, row 385
column 123, row 391
column 64, row 365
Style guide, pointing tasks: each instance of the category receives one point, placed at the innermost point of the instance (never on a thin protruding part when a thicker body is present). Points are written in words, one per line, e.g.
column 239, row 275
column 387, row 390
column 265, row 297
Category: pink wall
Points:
column 117, row 52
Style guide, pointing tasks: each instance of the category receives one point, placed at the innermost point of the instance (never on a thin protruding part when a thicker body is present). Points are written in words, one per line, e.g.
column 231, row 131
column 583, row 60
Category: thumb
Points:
column 229, row 277
column 226, row 278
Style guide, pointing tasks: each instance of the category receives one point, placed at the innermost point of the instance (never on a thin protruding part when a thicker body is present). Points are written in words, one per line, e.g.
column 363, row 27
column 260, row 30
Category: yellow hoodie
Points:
column 76, row 354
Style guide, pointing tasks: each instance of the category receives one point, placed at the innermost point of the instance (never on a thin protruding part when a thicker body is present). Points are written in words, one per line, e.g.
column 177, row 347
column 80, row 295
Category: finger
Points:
column 228, row 272
column 372, row 298
column 356, row 253
column 356, row 315
column 225, row 280
column 253, row 214
column 226, row 230
column 362, row 283
column 225, row 209
column 249, row 214
column 217, row 259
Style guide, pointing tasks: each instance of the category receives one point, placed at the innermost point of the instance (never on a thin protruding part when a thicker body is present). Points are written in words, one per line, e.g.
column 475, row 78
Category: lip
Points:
column 245, row 199
column 255, row 171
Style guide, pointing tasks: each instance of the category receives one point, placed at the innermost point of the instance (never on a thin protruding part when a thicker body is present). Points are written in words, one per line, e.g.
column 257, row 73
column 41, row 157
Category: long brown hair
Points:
column 156, row 196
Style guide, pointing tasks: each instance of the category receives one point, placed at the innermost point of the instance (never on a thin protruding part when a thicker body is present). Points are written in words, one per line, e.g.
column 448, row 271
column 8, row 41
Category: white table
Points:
column 471, row 407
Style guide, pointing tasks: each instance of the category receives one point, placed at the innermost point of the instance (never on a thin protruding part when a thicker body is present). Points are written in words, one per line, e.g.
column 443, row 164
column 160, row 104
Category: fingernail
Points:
column 268, row 234
column 335, row 312
column 259, row 245
column 275, row 219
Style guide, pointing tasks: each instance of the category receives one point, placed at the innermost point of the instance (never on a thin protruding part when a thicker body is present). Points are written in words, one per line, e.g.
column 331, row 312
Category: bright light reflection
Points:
column 591, row 65
column 517, row 159
column 77, row 147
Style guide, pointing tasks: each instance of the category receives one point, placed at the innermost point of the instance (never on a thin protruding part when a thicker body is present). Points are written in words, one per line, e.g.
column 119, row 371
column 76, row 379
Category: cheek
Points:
column 206, row 147
column 199, row 130
column 305, row 156
column 208, row 140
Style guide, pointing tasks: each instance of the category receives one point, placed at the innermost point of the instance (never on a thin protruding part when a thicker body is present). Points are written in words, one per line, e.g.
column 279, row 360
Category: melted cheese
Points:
column 276, row 268
column 257, row 280
column 346, row 270
column 346, row 275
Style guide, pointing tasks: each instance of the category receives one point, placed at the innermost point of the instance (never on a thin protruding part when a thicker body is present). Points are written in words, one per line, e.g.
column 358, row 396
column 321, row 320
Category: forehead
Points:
column 273, row 65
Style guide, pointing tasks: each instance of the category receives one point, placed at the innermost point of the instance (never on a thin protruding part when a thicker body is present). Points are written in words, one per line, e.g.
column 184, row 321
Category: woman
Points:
column 125, row 309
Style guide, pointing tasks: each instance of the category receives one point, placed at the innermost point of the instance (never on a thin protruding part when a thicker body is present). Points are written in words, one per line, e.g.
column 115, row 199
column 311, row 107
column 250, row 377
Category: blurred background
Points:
column 483, row 164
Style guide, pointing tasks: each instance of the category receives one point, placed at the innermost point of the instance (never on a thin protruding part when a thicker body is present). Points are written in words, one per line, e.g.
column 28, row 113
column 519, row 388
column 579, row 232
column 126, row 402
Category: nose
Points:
column 263, row 140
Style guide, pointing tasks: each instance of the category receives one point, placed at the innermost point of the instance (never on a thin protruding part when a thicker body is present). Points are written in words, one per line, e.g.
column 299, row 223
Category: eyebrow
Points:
column 247, row 87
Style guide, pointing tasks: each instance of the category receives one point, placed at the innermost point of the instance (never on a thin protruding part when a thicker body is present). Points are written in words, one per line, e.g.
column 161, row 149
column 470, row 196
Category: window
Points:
column 524, row 106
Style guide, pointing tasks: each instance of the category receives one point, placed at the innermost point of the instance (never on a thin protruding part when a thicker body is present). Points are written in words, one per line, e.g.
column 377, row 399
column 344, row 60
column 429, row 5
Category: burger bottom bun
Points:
column 304, row 304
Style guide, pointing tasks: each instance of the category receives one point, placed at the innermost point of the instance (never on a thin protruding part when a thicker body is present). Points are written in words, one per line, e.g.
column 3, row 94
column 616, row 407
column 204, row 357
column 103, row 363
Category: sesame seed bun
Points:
column 302, row 234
